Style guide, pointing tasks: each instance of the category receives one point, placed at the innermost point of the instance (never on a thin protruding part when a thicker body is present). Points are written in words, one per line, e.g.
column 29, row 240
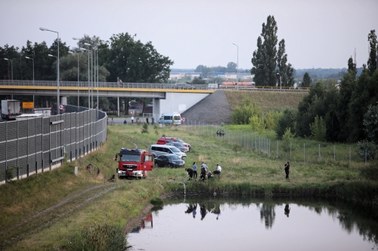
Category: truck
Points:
column 134, row 163
column 10, row 109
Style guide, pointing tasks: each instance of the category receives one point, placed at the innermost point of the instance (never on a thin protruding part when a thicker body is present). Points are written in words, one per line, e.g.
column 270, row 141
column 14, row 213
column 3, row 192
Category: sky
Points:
column 317, row 33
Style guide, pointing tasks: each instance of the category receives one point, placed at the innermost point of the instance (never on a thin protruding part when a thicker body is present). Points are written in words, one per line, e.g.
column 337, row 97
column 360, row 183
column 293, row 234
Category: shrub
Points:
column 98, row 237
column 318, row 129
column 145, row 128
column 366, row 150
column 244, row 112
column 287, row 121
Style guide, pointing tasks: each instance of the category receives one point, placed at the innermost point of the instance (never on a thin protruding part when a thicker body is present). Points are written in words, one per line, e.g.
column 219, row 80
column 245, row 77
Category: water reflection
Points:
column 146, row 222
column 267, row 214
column 287, row 210
column 254, row 224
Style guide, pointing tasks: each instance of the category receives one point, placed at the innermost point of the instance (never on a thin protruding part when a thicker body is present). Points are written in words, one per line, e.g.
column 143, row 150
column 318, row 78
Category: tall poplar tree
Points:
column 372, row 62
column 270, row 65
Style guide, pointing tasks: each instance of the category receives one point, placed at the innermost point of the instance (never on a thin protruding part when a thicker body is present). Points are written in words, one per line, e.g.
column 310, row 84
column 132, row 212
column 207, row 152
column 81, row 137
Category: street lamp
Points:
column 11, row 63
column 237, row 59
column 78, row 77
column 33, row 65
column 58, row 70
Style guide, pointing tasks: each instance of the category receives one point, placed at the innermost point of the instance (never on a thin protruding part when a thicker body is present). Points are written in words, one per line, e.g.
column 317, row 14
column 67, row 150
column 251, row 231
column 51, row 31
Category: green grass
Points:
column 266, row 100
column 245, row 173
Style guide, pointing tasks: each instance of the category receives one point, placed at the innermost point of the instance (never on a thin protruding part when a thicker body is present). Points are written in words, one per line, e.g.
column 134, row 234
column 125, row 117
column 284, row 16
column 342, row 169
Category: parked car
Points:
column 158, row 150
column 165, row 139
column 179, row 145
column 170, row 160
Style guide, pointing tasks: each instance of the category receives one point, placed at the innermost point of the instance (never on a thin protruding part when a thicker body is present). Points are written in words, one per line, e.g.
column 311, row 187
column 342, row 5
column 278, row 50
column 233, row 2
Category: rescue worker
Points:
column 194, row 168
column 287, row 169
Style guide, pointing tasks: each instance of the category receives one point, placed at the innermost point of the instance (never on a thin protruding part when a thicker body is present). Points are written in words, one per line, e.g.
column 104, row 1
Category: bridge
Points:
column 166, row 98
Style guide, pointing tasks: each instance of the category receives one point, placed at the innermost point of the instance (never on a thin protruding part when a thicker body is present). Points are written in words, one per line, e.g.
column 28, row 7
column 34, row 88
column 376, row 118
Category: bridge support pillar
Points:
column 156, row 108
column 118, row 106
column 63, row 100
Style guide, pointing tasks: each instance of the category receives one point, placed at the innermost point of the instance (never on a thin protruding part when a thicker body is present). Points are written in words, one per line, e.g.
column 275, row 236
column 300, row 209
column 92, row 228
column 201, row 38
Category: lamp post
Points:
column 237, row 60
column 58, row 70
column 33, row 65
column 11, row 63
column 78, row 77
column 89, row 75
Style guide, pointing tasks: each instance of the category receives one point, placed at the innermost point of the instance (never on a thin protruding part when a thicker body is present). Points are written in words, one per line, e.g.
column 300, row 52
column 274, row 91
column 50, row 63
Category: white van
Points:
column 157, row 150
column 171, row 119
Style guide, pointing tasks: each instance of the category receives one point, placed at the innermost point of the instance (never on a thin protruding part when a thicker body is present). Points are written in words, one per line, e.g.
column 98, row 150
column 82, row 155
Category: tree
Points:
column 286, row 122
column 133, row 61
column 268, row 63
column 318, row 129
column 371, row 123
column 306, row 82
column 372, row 62
column 231, row 67
column 347, row 86
column 285, row 71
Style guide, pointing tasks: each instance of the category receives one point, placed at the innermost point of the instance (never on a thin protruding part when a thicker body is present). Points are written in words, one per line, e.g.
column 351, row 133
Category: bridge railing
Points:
column 85, row 84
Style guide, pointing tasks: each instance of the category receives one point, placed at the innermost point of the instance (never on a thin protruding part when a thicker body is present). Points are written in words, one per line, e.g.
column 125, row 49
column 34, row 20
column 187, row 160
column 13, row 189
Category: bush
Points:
column 287, row 139
column 98, row 237
column 287, row 121
column 145, row 128
column 366, row 150
column 244, row 112
column 318, row 129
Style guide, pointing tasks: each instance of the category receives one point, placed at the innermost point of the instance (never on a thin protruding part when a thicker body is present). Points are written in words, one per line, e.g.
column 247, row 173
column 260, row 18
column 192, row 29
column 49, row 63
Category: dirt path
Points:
column 45, row 218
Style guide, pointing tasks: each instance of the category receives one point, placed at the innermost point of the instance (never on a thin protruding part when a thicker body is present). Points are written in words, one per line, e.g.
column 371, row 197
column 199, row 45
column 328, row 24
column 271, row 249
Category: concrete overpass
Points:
column 166, row 98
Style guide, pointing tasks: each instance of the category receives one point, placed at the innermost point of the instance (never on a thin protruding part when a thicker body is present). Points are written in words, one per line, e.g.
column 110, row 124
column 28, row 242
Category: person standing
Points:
column 287, row 169
column 194, row 168
column 218, row 170
column 203, row 171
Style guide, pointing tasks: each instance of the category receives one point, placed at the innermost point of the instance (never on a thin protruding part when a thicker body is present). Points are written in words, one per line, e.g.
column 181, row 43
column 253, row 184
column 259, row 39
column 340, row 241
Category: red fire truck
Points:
column 134, row 163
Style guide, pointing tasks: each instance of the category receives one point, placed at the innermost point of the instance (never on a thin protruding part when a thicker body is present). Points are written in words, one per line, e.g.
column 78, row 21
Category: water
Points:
column 215, row 225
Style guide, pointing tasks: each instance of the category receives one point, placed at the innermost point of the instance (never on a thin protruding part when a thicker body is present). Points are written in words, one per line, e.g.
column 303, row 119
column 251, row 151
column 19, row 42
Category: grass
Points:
column 266, row 100
column 245, row 172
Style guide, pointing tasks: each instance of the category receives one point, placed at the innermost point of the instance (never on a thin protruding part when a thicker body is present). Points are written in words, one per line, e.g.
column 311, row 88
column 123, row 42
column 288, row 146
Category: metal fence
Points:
column 36, row 145
column 296, row 150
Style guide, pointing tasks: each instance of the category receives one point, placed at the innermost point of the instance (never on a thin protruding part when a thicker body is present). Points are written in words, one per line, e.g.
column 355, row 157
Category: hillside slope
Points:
column 214, row 109
column 217, row 108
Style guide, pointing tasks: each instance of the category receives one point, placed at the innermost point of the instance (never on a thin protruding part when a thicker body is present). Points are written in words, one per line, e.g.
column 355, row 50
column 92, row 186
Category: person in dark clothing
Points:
column 194, row 168
column 287, row 169
column 204, row 169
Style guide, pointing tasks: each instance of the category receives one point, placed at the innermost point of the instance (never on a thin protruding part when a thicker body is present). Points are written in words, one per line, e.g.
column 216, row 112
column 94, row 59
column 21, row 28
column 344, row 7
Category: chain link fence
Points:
column 296, row 150
column 36, row 145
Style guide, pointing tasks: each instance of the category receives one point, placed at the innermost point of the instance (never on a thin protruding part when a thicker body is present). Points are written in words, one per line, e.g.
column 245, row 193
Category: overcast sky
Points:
column 318, row 33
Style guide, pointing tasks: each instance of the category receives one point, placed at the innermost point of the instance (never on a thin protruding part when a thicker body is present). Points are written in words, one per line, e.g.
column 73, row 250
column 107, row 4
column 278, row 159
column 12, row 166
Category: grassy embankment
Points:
column 245, row 173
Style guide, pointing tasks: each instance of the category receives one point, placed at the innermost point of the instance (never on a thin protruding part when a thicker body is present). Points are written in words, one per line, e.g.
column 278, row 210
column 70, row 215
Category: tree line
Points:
column 123, row 57
column 345, row 111
column 334, row 111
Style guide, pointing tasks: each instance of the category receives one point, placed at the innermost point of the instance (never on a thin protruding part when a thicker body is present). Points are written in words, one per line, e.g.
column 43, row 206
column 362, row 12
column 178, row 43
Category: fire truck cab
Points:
column 134, row 163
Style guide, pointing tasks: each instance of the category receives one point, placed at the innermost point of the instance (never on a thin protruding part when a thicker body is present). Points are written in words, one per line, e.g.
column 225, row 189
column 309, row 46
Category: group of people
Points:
column 205, row 173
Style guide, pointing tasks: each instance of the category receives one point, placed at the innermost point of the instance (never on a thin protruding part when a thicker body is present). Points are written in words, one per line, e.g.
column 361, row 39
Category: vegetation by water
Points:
column 245, row 173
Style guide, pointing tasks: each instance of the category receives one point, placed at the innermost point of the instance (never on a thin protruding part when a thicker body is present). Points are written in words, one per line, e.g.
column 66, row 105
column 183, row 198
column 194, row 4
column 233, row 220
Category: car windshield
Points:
column 130, row 157
column 174, row 149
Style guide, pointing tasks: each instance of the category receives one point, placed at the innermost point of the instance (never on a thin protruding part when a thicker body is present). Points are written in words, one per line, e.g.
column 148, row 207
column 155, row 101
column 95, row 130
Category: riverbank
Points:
column 116, row 204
